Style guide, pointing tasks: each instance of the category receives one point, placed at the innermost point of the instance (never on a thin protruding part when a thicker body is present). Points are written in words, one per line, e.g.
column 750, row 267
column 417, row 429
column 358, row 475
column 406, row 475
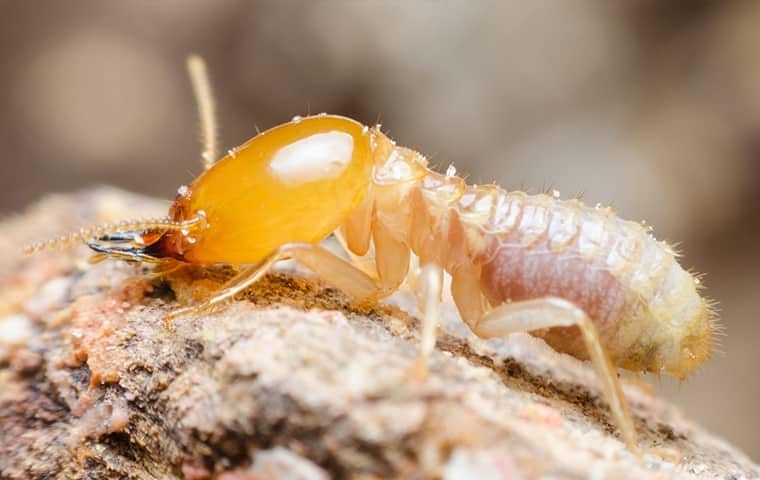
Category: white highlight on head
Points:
column 317, row 157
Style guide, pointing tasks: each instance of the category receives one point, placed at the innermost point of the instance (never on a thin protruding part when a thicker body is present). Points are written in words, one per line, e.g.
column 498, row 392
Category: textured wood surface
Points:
column 292, row 380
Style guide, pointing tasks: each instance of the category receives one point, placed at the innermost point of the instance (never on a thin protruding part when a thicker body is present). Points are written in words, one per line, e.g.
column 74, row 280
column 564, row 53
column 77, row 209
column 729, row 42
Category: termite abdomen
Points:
column 646, row 307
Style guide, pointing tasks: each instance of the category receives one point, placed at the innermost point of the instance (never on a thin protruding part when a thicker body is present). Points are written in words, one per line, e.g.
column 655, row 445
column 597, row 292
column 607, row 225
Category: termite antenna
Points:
column 93, row 233
column 196, row 68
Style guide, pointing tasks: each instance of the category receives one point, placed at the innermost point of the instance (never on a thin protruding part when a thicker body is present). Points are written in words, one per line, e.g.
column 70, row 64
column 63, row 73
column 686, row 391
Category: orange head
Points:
column 294, row 183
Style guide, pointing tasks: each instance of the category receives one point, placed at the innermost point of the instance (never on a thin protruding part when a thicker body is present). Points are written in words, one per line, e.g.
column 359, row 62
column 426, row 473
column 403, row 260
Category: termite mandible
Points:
column 591, row 284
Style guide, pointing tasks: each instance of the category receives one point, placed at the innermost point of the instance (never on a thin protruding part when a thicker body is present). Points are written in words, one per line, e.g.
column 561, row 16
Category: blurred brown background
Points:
column 652, row 106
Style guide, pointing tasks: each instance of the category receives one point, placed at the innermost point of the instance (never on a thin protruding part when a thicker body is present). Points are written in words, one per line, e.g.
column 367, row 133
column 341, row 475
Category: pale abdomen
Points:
column 509, row 246
column 641, row 300
column 646, row 307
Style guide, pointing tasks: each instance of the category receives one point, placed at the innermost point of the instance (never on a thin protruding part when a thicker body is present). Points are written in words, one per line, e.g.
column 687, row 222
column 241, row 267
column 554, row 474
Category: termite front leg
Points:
column 165, row 268
column 365, row 263
column 326, row 265
column 550, row 312
column 431, row 285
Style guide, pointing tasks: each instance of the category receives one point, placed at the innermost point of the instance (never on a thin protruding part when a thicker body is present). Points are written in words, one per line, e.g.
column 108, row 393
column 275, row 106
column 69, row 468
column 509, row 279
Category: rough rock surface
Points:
column 292, row 380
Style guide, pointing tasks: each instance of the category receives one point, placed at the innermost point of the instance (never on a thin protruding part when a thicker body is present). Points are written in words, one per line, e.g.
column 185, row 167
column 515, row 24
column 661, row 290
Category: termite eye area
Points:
column 132, row 246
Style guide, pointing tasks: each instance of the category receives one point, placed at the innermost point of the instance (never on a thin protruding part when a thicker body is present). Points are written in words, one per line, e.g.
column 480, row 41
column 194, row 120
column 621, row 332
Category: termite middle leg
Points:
column 550, row 312
column 329, row 267
column 431, row 286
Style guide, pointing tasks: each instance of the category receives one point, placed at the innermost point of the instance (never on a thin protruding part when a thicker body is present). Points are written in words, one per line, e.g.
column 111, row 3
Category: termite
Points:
column 591, row 284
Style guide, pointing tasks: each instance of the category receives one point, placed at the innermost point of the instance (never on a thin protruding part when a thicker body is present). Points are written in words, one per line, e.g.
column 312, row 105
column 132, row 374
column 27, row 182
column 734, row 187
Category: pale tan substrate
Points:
column 292, row 379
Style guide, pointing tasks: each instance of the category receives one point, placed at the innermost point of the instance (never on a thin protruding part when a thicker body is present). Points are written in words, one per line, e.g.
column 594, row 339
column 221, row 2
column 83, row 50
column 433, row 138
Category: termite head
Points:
column 296, row 182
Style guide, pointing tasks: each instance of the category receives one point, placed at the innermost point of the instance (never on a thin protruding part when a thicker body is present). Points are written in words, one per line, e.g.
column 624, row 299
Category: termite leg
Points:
column 412, row 280
column 355, row 236
column 365, row 263
column 548, row 312
column 368, row 263
column 465, row 288
column 431, row 285
column 166, row 267
column 97, row 258
column 391, row 257
column 326, row 265
column 357, row 229
column 334, row 270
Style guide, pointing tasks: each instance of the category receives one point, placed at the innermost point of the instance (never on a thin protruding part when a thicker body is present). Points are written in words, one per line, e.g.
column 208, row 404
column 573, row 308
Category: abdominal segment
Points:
column 513, row 273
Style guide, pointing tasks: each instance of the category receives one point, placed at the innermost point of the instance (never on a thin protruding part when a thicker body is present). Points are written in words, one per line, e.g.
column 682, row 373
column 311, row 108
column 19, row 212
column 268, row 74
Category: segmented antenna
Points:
column 93, row 233
column 204, row 99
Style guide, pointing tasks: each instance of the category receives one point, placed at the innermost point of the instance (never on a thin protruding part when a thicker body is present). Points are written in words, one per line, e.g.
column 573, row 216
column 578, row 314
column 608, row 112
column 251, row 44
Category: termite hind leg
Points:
column 550, row 312
column 326, row 265
column 431, row 286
